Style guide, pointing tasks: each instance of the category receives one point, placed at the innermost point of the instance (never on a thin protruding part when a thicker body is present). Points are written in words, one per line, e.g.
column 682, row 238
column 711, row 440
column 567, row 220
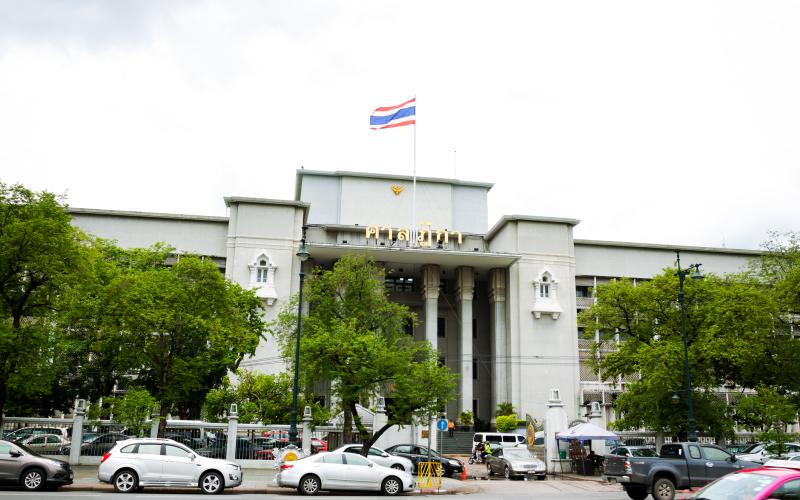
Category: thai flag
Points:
column 394, row 116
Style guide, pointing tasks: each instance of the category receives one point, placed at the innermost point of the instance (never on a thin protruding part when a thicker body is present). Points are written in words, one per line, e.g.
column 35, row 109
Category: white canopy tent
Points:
column 586, row 432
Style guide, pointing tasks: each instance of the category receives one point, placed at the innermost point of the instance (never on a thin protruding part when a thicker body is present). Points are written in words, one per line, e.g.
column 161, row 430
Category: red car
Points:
column 777, row 479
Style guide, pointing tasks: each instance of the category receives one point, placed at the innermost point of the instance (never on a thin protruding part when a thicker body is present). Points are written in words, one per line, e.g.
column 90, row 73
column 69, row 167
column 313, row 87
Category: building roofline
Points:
column 229, row 200
column 661, row 246
column 365, row 175
column 145, row 215
column 527, row 218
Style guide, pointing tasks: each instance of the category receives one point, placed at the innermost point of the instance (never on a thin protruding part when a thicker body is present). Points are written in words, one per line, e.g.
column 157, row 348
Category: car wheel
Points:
column 507, row 472
column 309, row 485
column 212, row 483
column 391, row 486
column 541, row 477
column 125, row 481
column 489, row 470
column 398, row 467
column 33, row 479
column 664, row 489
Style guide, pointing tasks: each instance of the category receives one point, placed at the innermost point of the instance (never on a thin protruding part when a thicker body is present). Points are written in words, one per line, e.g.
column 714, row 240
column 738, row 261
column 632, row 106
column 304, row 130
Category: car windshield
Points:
column 644, row 452
column 424, row 451
column 27, row 450
column 739, row 486
column 753, row 448
column 518, row 454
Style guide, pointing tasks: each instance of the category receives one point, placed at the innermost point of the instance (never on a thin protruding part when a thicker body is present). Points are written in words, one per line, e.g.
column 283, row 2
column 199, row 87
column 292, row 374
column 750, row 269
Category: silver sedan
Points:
column 515, row 462
column 342, row 471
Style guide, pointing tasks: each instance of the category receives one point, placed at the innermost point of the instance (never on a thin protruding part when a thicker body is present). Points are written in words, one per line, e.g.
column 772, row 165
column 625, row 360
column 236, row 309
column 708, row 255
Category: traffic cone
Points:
column 463, row 472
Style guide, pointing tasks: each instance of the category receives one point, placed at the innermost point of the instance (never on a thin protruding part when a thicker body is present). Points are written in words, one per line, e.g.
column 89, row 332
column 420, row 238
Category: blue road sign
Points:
column 441, row 424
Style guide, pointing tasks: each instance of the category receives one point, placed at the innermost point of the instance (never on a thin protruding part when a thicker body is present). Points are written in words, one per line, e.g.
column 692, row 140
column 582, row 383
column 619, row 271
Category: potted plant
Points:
column 465, row 419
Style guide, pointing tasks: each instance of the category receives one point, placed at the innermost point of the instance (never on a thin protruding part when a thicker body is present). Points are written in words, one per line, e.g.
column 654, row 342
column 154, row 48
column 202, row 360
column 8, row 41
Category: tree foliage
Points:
column 40, row 257
column 506, row 423
column 355, row 338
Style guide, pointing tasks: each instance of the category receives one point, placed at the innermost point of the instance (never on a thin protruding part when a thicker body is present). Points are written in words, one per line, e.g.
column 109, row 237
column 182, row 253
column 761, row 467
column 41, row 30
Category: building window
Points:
column 399, row 284
column 408, row 327
column 442, row 361
column 262, row 277
column 544, row 288
column 441, row 328
column 583, row 291
column 581, row 332
column 474, row 328
column 475, row 368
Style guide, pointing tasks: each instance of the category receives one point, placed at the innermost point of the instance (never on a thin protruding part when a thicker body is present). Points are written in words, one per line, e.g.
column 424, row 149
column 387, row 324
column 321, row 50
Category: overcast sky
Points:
column 658, row 122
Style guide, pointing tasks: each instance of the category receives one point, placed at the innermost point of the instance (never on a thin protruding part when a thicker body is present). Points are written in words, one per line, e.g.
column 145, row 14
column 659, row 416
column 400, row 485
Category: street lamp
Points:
column 694, row 271
column 303, row 255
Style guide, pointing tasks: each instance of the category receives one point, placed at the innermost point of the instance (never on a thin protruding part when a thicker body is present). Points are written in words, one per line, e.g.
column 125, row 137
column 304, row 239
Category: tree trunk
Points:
column 369, row 442
column 162, row 421
column 347, row 426
column 3, row 390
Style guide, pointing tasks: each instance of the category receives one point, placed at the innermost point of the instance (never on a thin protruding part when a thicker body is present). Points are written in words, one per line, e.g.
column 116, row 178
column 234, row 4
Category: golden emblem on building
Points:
column 397, row 189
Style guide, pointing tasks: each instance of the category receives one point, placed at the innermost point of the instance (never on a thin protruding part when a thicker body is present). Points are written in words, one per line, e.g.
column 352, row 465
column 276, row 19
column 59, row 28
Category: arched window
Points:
column 262, row 277
column 544, row 288
column 545, row 296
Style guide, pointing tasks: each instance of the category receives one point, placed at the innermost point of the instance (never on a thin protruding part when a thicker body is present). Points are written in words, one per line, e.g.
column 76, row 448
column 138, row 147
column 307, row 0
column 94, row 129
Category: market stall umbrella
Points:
column 586, row 432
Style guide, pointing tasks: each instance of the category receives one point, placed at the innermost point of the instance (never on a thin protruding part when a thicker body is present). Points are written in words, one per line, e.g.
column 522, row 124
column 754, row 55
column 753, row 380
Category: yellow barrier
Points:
column 430, row 475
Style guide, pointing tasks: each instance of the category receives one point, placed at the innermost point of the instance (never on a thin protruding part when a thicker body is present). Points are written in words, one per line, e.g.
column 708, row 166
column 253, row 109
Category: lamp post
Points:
column 303, row 255
column 694, row 270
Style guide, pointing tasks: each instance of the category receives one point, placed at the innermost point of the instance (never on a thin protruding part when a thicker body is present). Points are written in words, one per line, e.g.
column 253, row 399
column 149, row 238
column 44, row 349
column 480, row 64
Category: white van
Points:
column 498, row 439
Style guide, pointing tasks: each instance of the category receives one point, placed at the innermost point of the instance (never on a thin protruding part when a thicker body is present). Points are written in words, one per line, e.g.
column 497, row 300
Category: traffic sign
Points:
column 441, row 424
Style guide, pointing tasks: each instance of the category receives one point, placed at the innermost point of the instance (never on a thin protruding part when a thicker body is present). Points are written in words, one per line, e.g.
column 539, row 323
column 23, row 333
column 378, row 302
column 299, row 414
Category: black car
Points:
column 219, row 449
column 417, row 454
column 98, row 445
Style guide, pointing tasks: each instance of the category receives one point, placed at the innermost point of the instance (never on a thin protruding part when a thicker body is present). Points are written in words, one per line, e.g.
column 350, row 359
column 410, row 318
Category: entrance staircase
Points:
column 459, row 444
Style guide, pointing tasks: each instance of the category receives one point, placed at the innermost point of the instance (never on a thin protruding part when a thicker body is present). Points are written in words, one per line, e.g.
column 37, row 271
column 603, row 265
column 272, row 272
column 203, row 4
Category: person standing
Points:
column 451, row 427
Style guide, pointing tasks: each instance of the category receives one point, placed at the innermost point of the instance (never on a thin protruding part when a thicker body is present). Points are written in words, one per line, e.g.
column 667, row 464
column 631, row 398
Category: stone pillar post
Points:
column 430, row 292
column 233, row 424
column 306, row 429
column 155, row 419
column 379, row 420
column 555, row 420
column 497, row 315
column 77, row 432
column 465, row 290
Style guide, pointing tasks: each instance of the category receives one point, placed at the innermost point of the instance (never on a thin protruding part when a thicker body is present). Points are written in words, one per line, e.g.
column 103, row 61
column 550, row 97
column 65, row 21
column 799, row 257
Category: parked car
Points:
column 417, row 454
column 96, row 446
column 342, row 471
column 634, row 451
column 45, row 444
column 760, row 452
column 738, row 449
column 678, row 466
column 25, row 432
column 778, row 481
column 515, row 462
column 497, row 439
column 133, row 464
column 219, row 449
column 23, row 466
column 380, row 457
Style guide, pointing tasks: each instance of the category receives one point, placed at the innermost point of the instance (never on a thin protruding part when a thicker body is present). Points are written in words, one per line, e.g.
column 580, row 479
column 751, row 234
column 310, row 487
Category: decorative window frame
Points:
column 262, row 267
column 545, row 296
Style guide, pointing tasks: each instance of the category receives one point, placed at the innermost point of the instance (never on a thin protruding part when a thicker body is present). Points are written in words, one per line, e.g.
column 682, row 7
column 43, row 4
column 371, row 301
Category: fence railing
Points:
column 84, row 442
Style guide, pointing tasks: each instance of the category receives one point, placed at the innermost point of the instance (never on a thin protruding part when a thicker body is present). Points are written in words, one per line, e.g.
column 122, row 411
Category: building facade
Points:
column 500, row 303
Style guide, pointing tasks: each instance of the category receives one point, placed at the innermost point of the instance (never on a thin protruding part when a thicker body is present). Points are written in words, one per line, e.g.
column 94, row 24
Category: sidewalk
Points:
column 254, row 481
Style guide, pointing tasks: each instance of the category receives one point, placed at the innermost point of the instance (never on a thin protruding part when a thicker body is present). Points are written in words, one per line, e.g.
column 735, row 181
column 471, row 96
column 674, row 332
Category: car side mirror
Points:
column 15, row 453
column 192, row 456
column 369, row 464
column 384, row 454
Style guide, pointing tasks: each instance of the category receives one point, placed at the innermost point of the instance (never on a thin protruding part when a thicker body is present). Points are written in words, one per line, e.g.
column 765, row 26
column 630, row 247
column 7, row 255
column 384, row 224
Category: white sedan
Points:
column 380, row 457
column 342, row 471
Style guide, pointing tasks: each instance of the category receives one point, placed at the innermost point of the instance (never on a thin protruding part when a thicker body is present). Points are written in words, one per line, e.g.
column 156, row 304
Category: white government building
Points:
column 500, row 302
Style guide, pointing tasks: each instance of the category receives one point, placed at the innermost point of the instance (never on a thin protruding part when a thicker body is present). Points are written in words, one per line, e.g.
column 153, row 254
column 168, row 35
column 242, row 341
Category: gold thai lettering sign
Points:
column 426, row 236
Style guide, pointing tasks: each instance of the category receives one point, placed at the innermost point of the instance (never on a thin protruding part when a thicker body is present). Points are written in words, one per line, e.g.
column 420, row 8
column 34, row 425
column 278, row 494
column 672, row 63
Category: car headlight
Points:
column 234, row 466
column 454, row 462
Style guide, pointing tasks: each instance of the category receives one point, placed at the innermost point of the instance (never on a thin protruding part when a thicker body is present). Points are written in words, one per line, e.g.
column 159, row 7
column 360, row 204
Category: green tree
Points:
column 730, row 336
column 40, row 256
column 260, row 397
column 505, row 408
column 506, row 423
column 355, row 338
column 181, row 327
column 770, row 413
column 133, row 410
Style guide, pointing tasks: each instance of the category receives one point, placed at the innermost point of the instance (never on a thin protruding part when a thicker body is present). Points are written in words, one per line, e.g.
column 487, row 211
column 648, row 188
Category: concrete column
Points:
column 497, row 315
column 465, row 289
column 379, row 420
column 77, row 432
column 431, row 275
column 306, row 430
column 155, row 418
column 555, row 420
column 233, row 424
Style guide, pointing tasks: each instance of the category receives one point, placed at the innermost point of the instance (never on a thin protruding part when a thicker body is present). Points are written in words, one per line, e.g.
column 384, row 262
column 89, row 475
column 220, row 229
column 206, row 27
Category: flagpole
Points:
column 414, row 187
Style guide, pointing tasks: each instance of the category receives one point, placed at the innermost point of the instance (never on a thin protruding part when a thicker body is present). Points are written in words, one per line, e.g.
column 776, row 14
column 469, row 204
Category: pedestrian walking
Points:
column 451, row 427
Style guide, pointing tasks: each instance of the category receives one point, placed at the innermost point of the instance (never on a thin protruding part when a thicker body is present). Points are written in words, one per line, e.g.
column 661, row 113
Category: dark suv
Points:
column 417, row 454
column 22, row 466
